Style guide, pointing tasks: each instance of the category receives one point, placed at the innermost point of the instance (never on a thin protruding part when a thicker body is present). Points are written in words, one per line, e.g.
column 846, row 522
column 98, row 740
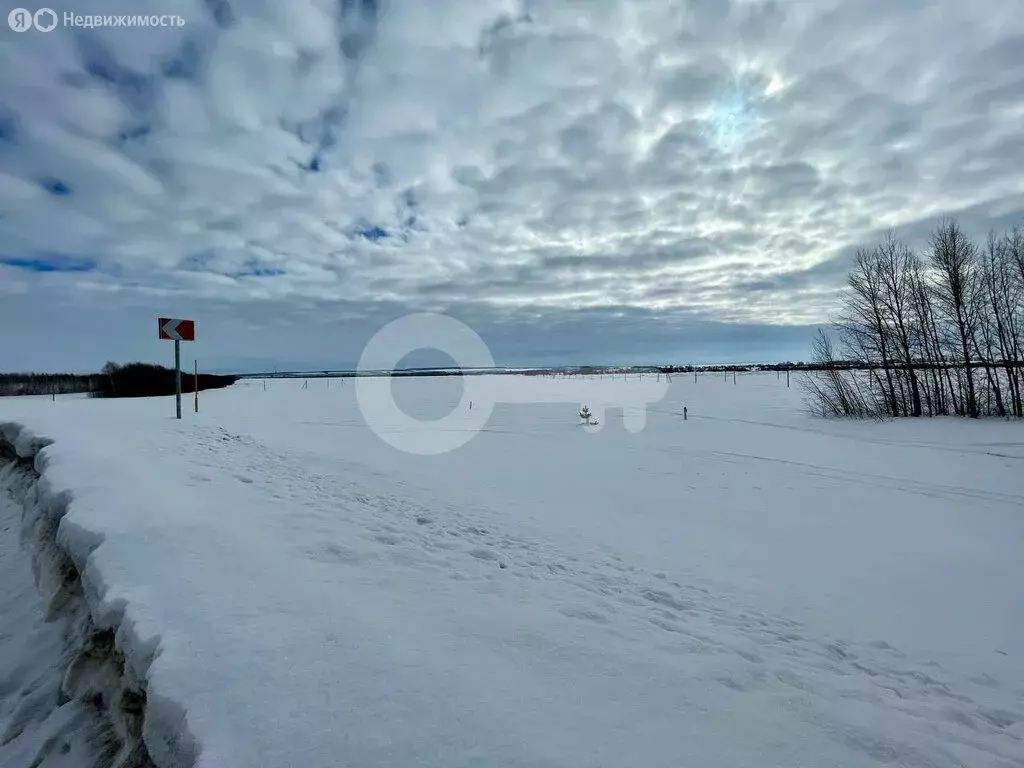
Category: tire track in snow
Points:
column 906, row 485
column 934, row 490
column 963, row 450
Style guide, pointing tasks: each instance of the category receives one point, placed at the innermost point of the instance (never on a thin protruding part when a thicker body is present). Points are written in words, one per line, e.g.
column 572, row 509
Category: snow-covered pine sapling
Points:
column 586, row 417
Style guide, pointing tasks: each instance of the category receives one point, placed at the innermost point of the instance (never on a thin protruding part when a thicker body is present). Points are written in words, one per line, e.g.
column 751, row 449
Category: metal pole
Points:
column 177, row 378
column 195, row 380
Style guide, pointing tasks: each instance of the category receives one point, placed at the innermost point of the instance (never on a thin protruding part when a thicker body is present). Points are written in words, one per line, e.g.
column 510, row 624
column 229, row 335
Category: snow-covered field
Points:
column 750, row 587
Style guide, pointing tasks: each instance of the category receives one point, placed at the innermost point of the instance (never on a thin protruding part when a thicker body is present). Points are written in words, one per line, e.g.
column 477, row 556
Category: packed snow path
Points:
column 751, row 587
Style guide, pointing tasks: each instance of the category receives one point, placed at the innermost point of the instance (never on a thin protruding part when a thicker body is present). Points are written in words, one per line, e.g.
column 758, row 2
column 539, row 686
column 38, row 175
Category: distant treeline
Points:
column 14, row 384
column 147, row 380
column 788, row 366
column 583, row 370
column 131, row 380
column 936, row 333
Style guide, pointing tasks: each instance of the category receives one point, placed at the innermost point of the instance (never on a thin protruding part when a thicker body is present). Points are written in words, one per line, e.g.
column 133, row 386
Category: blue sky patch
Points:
column 370, row 232
column 8, row 125
column 223, row 15
column 50, row 263
column 55, row 186
column 260, row 272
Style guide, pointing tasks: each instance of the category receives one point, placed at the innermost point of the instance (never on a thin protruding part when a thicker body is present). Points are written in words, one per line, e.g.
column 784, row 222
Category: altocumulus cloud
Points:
column 580, row 180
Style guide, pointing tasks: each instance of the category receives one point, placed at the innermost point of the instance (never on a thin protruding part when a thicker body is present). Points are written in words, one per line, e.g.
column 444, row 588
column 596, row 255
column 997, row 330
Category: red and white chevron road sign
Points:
column 177, row 330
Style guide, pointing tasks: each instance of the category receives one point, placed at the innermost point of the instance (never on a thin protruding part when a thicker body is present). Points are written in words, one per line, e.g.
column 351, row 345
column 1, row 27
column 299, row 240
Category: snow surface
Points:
column 34, row 729
column 750, row 587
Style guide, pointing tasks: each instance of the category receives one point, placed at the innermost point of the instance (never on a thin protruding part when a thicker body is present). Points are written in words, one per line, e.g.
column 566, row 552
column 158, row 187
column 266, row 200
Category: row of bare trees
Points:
column 13, row 384
column 132, row 380
column 937, row 333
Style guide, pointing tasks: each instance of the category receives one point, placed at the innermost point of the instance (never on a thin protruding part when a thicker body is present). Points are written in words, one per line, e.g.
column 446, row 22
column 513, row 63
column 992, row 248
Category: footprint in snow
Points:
column 1000, row 718
column 753, row 658
column 586, row 614
column 336, row 553
column 658, row 597
column 485, row 554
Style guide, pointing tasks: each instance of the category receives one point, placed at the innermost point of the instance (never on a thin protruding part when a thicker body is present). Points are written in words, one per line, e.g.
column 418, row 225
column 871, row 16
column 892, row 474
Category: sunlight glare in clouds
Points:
column 732, row 119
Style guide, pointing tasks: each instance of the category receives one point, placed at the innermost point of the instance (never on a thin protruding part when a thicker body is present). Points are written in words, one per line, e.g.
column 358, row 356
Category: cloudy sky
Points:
column 576, row 180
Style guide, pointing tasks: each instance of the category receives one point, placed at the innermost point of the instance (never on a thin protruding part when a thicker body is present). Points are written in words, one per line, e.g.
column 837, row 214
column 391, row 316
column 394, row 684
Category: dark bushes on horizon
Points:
column 937, row 333
column 18, row 384
column 147, row 380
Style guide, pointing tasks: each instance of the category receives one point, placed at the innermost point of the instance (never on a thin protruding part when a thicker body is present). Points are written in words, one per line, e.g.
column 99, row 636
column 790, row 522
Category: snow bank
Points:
column 105, row 662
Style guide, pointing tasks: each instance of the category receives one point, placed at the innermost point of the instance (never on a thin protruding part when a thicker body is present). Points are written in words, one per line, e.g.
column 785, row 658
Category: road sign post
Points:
column 177, row 379
column 177, row 331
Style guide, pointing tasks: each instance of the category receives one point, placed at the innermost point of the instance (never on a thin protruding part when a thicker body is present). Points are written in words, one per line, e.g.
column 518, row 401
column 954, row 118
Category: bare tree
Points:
column 827, row 391
column 896, row 264
column 864, row 325
column 1010, row 288
column 927, row 337
column 954, row 258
